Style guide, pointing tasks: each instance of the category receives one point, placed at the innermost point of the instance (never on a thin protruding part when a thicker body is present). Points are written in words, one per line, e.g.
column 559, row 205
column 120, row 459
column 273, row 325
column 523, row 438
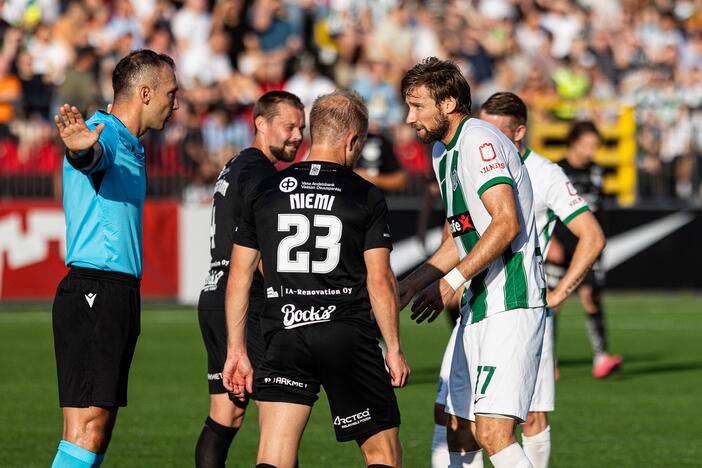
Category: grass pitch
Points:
column 646, row 415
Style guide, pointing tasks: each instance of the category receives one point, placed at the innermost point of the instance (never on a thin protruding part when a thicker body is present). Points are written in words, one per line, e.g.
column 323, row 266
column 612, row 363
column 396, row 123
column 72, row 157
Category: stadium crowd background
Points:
column 644, row 53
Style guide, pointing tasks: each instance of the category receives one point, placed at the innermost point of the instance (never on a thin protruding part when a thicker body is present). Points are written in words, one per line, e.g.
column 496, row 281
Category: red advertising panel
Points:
column 33, row 250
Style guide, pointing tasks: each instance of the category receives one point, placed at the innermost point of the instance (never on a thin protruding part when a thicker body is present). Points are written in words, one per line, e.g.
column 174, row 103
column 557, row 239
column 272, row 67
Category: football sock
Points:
column 439, row 448
column 466, row 459
column 378, row 465
column 538, row 448
column 511, row 457
column 70, row 455
column 213, row 445
column 265, row 465
column 596, row 333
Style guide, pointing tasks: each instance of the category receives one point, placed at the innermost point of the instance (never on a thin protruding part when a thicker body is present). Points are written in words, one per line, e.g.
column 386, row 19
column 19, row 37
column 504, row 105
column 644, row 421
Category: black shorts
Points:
column 346, row 360
column 96, row 320
column 213, row 326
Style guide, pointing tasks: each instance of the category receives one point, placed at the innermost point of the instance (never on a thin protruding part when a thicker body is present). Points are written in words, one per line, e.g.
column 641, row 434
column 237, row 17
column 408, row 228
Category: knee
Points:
column 536, row 423
column 382, row 450
column 93, row 435
column 227, row 413
column 459, row 436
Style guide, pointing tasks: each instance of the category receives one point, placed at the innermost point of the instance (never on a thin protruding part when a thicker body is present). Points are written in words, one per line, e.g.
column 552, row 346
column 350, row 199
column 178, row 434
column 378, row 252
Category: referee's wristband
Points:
column 455, row 279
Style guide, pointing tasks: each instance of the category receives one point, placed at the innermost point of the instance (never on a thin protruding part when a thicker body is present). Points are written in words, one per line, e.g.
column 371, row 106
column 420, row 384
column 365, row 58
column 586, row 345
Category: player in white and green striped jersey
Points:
column 488, row 199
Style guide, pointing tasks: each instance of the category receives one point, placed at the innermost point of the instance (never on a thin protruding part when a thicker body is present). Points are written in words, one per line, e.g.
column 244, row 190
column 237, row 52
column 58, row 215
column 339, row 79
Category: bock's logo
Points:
column 294, row 317
column 288, row 184
column 460, row 224
column 487, row 152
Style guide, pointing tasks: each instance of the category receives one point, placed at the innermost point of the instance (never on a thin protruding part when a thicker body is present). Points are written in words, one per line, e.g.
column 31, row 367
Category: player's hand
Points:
column 237, row 375
column 73, row 131
column 431, row 301
column 554, row 298
column 398, row 367
column 406, row 293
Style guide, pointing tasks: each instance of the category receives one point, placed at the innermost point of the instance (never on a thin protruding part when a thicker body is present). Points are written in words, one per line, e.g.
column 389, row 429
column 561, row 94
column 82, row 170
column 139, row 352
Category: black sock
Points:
column 596, row 333
column 265, row 465
column 378, row 465
column 213, row 445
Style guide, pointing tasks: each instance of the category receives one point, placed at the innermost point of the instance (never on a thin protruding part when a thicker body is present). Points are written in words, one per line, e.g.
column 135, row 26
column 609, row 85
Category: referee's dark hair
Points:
column 506, row 104
column 443, row 80
column 336, row 113
column 581, row 128
column 133, row 69
column 267, row 105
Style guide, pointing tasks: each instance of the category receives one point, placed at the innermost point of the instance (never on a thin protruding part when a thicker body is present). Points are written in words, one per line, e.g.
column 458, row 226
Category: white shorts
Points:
column 445, row 371
column 495, row 364
column 544, row 399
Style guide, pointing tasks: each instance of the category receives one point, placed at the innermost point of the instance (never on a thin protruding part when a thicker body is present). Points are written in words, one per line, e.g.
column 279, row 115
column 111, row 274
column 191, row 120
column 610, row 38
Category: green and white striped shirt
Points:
column 479, row 157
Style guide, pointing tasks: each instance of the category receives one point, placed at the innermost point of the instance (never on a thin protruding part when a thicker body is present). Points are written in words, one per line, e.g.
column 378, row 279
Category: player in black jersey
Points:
column 321, row 233
column 279, row 119
column 587, row 177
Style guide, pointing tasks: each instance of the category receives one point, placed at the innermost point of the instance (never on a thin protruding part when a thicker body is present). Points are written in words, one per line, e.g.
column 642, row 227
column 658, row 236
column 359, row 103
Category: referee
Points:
column 96, row 310
column 279, row 119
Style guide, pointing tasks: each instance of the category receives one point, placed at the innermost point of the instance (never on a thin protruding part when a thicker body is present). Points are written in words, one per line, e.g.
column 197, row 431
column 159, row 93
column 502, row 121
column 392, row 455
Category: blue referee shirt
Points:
column 104, row 203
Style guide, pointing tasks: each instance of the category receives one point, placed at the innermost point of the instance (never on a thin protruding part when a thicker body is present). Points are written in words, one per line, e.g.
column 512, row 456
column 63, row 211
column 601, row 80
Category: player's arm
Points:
column 82, row 144
column 391, row 182
column 382, row 290
column 445, row 258
column 591, row 242
column 237, row 374
column 502, row 230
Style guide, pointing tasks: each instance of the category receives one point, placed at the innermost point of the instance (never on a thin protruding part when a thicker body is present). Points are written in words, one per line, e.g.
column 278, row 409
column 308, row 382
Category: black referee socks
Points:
column 213, row 445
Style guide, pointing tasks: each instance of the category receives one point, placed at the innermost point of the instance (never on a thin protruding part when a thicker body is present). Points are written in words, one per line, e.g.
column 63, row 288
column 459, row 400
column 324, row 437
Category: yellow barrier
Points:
column 617, row 123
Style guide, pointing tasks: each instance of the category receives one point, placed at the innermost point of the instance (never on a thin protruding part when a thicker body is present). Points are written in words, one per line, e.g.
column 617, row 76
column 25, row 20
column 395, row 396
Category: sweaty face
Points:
column 284, row 132
column 425, row 116
column 164, row 100
column 586, row 146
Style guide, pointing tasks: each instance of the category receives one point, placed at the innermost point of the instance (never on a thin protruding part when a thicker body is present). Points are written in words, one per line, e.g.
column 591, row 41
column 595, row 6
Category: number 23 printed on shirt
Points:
column 301, row 261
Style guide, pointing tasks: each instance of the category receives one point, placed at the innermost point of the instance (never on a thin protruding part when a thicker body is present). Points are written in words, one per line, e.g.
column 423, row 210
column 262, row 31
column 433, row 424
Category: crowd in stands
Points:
column 645, row 53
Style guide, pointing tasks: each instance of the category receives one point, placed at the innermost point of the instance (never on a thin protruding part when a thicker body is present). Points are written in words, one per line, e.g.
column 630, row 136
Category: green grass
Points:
column 647, row 415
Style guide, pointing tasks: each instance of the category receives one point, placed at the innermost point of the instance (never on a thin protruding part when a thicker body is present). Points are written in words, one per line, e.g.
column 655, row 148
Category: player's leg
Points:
column 96, row 323
column 439, row 448
column 505, row 352
column 536, row 433
column 226, row 414
column 591, row 300
column 281, row 426
column 464, row 450
column 382, row 449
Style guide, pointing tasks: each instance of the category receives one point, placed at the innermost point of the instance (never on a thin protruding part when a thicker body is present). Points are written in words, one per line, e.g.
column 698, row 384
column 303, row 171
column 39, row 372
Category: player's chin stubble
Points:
column 441, row 127
column 281, row 154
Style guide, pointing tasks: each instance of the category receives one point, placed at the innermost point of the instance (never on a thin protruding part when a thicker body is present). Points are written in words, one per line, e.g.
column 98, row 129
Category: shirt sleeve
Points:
column 484, row 159
column 109, row 142
column 377, row 229
column 245, row 232
column 562, row 197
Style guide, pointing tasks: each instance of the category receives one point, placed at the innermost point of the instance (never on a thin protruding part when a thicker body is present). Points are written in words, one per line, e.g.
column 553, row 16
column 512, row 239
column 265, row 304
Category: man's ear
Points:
column 520, row 133
column 261, row 124
column 449, row 105
column 145, row 94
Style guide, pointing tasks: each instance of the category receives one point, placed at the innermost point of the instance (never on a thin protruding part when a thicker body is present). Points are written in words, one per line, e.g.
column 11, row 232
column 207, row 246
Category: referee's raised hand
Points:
column 75, row 134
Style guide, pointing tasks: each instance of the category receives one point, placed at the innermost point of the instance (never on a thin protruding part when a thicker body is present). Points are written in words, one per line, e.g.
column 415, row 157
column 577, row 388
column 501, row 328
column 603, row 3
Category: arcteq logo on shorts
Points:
column 288, row 184
column 353, row 420
column 294, row 317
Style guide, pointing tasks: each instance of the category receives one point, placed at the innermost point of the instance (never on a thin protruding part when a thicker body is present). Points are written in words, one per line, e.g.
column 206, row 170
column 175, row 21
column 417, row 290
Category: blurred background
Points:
column 634, row 67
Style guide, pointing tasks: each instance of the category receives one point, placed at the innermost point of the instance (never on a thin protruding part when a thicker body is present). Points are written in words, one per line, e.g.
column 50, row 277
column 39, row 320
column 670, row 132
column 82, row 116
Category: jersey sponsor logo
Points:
column 353, row 420
column 311, row 201
column 487, row 152
column 460, row 224
column 284, row 381
column 294, row 317
column 454, row 180
column 492, row 167
column 90, row 297
column 314, row 170
column 319, row 186
column 571, row 190
column 317, row 292
column 212, row 280
column 272, row 293
column 217, row 376
column 221, row 187
column 288, row 184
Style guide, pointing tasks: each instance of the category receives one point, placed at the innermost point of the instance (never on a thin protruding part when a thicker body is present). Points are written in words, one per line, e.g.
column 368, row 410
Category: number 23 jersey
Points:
column 312, row 224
